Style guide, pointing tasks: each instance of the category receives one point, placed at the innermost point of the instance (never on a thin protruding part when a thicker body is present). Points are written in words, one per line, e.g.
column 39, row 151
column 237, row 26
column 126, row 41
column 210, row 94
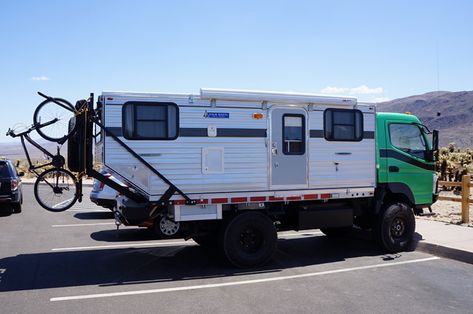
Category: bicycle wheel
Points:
column 61, row 111
column 56, row 189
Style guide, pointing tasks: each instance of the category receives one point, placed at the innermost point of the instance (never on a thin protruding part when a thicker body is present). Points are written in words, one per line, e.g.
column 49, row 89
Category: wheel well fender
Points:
column 391, row 192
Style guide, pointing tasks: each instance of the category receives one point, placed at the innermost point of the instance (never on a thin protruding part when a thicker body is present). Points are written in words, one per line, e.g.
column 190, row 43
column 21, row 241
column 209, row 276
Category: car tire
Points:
column 395, row 227
column 16, row 208
column 249, row 240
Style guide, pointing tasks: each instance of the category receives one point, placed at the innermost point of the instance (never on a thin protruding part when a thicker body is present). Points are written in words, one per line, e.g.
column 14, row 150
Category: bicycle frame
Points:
column 56, row 160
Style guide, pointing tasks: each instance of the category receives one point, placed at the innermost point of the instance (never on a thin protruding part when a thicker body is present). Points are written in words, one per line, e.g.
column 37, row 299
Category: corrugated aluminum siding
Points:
column 356, row 160
column 246, row 159
column 180, row 160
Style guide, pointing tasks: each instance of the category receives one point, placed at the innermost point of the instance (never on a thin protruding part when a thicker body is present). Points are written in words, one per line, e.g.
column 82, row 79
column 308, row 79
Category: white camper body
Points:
column 245, row 147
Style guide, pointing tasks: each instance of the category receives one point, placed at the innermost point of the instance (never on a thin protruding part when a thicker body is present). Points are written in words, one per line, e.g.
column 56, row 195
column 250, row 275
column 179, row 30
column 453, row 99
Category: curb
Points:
column 444, row 251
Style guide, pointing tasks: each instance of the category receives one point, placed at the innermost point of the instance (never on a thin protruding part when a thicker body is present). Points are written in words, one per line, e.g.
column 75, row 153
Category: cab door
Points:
column 406, row 160
column 288, row 148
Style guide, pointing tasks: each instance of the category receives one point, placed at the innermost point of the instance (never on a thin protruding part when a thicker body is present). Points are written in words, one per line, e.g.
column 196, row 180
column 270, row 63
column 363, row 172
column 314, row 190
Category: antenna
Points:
column 438, row 65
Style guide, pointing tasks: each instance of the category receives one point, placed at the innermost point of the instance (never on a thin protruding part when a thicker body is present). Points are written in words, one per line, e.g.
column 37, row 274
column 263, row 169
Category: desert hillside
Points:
column 449, row 112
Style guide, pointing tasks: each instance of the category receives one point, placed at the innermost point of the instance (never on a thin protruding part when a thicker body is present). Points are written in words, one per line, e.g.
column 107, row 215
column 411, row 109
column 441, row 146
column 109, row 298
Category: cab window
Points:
column 408, row 138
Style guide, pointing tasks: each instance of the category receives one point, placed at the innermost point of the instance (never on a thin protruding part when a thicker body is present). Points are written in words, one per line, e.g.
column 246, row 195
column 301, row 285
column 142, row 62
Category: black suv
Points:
column 11, row 194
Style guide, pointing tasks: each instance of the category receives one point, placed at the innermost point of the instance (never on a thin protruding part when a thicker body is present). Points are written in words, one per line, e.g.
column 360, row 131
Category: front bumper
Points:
column 435, row 197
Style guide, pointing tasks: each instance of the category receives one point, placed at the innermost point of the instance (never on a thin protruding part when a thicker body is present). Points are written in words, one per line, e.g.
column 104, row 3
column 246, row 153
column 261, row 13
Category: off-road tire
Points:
column 249, row 240
column 395, row 227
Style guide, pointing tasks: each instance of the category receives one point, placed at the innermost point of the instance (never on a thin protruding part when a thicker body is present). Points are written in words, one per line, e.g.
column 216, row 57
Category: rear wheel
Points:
column 249, row 239
column 395, row 227
column 56, row 189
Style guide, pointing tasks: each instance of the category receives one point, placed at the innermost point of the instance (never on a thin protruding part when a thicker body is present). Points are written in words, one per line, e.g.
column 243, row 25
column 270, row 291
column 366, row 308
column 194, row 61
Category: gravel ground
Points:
column 448, row 211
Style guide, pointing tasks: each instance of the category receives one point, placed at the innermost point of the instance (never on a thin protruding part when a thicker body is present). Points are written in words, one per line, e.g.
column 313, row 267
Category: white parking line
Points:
column 84, row 225
column 237, row 283
column 129, row 245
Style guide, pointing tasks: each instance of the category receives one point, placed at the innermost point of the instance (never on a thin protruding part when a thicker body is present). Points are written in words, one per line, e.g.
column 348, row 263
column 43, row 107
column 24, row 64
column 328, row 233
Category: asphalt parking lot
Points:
column 76, row 261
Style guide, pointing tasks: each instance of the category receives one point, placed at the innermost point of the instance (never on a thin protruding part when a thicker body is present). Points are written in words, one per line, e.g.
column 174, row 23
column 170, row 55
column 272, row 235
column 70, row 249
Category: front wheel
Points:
column 56, row 113
column 394, row 228
column 56, row 189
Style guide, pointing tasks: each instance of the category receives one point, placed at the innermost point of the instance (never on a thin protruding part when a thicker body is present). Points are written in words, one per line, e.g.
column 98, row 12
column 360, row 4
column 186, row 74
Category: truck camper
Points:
column 231, row 168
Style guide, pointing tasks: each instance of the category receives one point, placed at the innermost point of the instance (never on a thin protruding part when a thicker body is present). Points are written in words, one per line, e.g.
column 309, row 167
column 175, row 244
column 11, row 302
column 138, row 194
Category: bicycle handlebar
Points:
column 44, row 95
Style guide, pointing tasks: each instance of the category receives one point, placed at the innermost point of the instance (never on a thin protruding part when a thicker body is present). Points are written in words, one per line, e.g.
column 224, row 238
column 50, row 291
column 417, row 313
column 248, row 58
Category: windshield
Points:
column 408, row 138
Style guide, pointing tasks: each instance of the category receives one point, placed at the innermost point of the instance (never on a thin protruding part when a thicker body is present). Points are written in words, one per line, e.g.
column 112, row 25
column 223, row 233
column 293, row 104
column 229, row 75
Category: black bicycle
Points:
column 56, row 189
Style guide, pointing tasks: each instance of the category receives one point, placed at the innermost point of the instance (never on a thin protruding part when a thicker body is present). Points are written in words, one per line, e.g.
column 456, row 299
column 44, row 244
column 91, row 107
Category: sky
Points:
column 372, row 50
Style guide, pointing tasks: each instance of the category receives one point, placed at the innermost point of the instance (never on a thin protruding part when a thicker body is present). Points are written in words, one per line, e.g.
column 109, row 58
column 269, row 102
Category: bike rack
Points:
column 89, row 118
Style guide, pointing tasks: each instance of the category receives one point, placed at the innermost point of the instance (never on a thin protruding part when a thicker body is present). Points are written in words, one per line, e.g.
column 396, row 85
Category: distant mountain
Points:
column 449, row 112
column 14, row 150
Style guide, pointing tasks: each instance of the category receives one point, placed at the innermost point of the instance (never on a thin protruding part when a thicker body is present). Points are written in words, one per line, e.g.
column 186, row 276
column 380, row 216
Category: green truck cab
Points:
column 406, row 177
column 405, row 158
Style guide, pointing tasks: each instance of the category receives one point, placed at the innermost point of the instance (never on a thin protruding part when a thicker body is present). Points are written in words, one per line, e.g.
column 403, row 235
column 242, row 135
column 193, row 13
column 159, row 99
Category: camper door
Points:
column 288, row 147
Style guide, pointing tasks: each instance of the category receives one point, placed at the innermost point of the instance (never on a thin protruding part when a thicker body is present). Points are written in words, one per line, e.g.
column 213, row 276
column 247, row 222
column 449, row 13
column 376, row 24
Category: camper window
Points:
column 343, row 125
column 150, row 121
column 293, row 134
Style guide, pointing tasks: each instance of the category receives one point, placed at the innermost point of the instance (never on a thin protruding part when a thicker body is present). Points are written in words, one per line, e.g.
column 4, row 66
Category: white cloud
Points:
column 365, row 90
column 335, row 90
column 40, row 78
column 360, row 90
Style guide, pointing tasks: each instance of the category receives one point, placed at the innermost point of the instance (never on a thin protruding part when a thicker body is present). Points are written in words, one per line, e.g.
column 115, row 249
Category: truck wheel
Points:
column 395, row 227
column 249, row 239
column 336, row 232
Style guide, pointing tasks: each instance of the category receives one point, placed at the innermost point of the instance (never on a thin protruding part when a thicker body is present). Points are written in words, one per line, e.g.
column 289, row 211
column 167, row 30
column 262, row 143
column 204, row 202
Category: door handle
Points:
column 393, row 169
column 274, row 149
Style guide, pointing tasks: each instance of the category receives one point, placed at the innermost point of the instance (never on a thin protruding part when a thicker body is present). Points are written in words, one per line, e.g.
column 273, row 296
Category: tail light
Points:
column 14, row 184
column 102, row 184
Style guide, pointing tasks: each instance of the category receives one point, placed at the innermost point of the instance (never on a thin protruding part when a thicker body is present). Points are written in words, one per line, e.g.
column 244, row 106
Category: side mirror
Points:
column 435, row 140
column 21, row 173
column 429, row 155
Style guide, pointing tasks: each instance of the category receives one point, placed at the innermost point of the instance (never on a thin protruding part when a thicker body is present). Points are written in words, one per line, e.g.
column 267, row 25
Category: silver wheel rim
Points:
column 168, row 227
